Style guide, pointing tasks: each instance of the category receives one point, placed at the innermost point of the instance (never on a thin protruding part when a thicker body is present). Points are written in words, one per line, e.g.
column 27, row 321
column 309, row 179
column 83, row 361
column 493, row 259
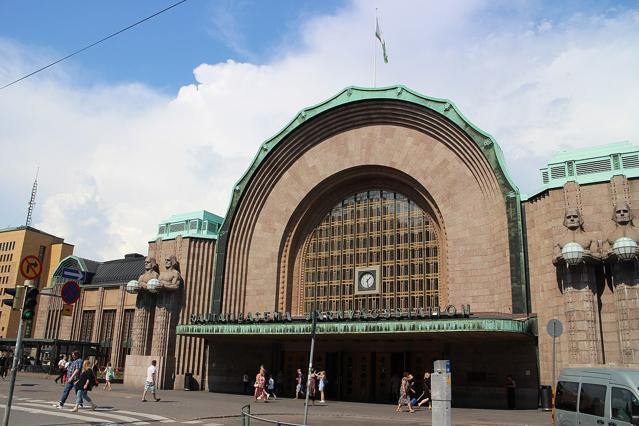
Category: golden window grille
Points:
column 368, row 229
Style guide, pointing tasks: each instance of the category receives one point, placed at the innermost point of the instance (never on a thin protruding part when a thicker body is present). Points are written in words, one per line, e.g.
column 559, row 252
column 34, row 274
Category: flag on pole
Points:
column 378, row 34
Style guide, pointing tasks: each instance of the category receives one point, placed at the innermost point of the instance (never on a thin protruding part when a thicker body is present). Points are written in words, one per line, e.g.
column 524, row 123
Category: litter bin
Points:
column 546, row 398
column 188, row 381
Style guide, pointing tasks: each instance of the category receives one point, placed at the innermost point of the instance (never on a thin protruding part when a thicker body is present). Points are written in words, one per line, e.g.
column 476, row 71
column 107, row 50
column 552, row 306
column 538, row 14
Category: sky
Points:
column 166, row 117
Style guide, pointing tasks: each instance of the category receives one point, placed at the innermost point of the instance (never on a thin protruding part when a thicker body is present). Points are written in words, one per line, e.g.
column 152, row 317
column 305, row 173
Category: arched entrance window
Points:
column 376, row 229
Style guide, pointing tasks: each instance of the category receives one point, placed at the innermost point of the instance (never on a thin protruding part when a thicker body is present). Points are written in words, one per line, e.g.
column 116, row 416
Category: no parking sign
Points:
column 70, row 292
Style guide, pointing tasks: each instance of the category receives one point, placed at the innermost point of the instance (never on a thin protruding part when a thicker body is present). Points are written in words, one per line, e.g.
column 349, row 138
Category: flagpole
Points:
column 375, row 55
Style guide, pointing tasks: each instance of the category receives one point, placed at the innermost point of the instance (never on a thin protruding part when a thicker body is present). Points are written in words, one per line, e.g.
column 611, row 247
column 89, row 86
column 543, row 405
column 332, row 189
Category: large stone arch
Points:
column 459, row 168
column 324, row 196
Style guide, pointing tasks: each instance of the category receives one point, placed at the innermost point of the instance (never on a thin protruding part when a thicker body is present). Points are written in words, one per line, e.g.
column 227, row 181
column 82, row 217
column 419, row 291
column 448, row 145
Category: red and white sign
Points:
column 30, row 267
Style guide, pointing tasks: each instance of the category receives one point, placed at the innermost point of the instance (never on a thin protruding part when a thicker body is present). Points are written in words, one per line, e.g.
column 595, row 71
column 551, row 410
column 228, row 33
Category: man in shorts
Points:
column 149, row 384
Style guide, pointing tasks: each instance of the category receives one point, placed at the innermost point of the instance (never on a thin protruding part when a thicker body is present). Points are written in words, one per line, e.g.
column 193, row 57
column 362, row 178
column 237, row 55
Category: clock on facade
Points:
column 366, row 280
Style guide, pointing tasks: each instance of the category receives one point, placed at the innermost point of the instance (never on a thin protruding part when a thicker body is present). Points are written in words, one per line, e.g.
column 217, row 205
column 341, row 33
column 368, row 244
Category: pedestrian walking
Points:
column 259, row 385
column 271, row 388
column 425, row 392
column 83, row 386
column 62, row 369
column 109, row 375
column 321, row 376
column 511, row 385
column 312, row 386
column 246, row 380
column 73, row 372
column 299, row 386
column 149, row 384
column 404, row 393
column 3, row 365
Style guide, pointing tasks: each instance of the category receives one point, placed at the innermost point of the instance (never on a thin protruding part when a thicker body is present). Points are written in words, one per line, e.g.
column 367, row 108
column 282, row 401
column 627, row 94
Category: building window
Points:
column 371, row 228
column 127, row 328
column 106, row 334
column 161, row 229
column 177, row 227
column 86, row 326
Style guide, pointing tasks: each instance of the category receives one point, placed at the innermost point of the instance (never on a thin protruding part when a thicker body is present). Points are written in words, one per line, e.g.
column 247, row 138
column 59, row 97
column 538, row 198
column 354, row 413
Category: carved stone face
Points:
column 149, row 263
column 572, row 219
column 168, row 263
column 623, row 214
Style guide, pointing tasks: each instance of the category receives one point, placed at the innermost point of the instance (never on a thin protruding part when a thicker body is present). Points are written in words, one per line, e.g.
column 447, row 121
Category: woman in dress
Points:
column 404, row 393
column 322, row 384
column 109, row 374
column 260, row 383
column 84, row 385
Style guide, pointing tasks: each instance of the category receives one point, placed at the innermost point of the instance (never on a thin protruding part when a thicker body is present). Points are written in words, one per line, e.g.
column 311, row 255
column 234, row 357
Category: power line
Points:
column 92, row 44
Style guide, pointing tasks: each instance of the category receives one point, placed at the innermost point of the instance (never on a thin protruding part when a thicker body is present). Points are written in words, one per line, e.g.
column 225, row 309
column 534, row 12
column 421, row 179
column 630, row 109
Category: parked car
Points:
column 597, row 396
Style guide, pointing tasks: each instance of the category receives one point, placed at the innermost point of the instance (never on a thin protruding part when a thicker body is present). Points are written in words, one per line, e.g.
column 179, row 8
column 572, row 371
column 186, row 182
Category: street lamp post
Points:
column 310, row 363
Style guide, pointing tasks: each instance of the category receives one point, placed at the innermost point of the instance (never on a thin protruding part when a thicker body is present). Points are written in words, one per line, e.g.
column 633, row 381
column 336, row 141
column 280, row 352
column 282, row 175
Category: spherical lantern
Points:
column 152, row 285
column 573, row 253
column 625, row 248
column 132, row 287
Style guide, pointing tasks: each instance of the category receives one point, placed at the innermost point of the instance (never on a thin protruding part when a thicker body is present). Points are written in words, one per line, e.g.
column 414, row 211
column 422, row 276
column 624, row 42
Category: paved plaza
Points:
column 34, row 399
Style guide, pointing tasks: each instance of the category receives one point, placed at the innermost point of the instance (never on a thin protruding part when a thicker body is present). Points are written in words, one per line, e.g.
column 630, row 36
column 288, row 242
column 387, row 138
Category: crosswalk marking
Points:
column 149, row 416
column 68, row 415
column 107, row 415
column 102, row 413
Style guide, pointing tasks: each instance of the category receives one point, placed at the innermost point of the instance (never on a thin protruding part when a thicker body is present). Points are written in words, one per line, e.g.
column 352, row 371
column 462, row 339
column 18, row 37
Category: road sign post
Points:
column 555, row 328
column 16, row 357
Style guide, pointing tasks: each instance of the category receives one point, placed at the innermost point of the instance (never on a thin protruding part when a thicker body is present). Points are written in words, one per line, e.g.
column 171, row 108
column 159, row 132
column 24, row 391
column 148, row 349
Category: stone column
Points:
column 582, row 317
column 625, row 284
column 165, row 321
column 142, row 328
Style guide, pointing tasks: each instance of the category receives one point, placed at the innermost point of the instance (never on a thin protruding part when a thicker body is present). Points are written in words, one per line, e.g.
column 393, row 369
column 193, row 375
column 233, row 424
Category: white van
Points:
column 597, row 396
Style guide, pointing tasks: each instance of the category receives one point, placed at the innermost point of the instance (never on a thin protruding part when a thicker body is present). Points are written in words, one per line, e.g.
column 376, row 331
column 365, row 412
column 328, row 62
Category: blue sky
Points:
column 161, row 52
column 166, row 117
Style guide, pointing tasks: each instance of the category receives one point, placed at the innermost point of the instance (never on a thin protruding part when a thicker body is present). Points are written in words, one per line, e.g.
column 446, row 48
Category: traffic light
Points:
column 30, row 302
column 18, row 297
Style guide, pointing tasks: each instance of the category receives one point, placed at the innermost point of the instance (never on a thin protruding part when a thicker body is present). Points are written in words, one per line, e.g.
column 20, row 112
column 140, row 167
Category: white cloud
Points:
column 116, row 160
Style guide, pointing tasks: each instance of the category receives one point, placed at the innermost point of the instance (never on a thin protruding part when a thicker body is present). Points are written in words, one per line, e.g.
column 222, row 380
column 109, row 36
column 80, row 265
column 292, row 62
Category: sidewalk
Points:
column 224, row 409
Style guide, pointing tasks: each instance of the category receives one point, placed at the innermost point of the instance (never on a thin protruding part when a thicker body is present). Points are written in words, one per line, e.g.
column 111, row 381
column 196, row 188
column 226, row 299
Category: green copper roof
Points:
column 590, row 165
column 199, row 224
column 526, row 326
column 593, row 152
column 352, row 94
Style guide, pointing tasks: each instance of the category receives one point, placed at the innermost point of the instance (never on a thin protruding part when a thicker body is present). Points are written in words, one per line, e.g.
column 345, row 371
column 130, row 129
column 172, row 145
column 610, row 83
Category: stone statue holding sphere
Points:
column 575, row 245
column 170, row 279
column 622, row 241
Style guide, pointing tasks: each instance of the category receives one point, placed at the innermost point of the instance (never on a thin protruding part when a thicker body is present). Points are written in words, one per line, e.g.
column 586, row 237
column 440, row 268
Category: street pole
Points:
column 14, row 370
column 552, row 388
column 310, row 364
column 16, row 358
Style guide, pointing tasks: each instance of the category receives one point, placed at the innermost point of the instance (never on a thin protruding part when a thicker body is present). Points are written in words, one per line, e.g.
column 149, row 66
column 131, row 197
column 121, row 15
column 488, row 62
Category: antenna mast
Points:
column 32, row 200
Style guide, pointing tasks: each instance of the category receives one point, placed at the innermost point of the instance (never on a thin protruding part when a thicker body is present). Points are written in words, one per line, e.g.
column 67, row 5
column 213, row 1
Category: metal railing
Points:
column 246, row 418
